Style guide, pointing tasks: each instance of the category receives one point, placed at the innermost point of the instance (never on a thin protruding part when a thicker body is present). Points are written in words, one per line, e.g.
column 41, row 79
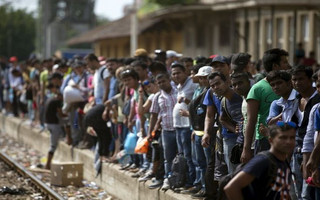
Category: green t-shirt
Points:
column 44, row 77
column 263, row 93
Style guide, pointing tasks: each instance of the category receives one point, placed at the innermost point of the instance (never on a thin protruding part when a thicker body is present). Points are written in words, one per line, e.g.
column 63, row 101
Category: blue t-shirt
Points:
column 317, row 120
column 213, row 100
column 113, row 89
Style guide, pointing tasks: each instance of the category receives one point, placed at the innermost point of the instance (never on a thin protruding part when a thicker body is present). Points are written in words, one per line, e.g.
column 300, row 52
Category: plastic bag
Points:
column 130, row 142
column 142, row 145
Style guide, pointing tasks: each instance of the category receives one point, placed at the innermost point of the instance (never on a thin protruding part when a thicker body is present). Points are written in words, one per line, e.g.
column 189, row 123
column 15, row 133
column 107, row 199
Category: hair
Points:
column 215, row 74
column 302, row 68
column 157, row 66
column 163, row 75
column 92, row 57
column 243, row 75
column 281, row 74
column 201, row 59
column 186, row 59
column 129, row 72
column 274, row 129
column 271, row 57
column 178, row 65
column 196, row 67
column 113, row 60
column 138, row 63
column 128, row 61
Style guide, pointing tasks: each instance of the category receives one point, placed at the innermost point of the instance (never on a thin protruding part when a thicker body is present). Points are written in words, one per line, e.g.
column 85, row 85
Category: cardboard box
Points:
column 67, row 173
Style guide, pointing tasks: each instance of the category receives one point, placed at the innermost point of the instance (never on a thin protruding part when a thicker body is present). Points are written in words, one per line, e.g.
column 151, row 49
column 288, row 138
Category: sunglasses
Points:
column 283, row 124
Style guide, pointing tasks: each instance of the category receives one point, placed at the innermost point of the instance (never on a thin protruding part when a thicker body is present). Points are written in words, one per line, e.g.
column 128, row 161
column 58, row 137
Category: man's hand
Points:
column 205, row 142
column 315, row 178
column 183, row 113
column 246, row 155
column 105, row 115
column 193, row 134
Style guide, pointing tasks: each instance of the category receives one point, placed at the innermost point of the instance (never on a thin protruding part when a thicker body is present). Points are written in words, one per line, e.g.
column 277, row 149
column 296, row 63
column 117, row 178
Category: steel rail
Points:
column 45, row 190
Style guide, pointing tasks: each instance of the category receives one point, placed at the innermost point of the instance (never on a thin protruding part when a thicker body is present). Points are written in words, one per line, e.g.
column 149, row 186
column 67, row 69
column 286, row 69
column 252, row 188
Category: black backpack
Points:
column 179, row 170
column 197, row 111
column 248, row 192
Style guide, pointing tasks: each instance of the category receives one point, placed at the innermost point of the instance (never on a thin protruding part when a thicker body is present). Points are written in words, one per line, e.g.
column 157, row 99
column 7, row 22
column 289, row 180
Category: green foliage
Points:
column 17, row 32
column 172, row 2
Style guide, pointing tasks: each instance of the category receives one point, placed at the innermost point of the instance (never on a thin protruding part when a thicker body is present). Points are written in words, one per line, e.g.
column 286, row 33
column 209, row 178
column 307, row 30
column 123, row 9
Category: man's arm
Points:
column 234, row 188
column 107, row 88
column 252, row 111
column 208, row 125
column 225, row 122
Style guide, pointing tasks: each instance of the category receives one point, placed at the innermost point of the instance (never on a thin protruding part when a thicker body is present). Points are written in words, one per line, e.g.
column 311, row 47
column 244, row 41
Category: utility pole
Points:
column 134, row 29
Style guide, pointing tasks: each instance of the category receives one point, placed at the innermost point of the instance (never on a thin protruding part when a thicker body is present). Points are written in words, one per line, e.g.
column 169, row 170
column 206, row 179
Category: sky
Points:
column 111, row 9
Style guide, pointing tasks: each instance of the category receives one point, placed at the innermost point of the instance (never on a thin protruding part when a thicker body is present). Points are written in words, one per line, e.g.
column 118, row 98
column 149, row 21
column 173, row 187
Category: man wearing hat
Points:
column 172, row 56
column 197, row 113
column 221, row 64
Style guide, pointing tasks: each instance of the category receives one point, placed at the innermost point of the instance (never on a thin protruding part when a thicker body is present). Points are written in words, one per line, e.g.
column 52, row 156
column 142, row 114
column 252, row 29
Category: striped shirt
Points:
column 163, row 104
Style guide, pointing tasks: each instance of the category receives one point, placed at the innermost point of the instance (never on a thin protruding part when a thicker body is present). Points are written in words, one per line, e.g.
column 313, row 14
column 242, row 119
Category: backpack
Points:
column 197, row 111
column 101, row 73
column 248, row 191
column 179, row 169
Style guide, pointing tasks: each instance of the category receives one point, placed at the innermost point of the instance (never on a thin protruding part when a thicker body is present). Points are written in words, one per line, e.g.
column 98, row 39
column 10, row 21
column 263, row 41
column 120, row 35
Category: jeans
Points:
column 56, row 132
column 302, row 189
column 228, row 144
column 184, row 146
column 169, row 149
column 202, row 156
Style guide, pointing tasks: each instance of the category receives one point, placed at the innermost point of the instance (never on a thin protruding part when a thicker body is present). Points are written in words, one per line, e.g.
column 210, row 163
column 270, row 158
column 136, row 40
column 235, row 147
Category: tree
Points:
column 17, row 32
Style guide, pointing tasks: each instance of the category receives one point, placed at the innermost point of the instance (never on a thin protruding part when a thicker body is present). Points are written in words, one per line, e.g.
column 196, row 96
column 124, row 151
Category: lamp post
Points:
column 133, row 29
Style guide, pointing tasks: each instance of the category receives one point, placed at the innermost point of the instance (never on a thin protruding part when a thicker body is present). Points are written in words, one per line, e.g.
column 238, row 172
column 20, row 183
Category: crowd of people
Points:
column 184, row 123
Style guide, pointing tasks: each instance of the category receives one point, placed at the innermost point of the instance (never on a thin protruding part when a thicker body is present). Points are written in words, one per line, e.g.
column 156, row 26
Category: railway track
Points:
column 46, row 191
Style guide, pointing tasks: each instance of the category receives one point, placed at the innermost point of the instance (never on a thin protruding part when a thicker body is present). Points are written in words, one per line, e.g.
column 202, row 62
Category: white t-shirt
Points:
column 98, row 83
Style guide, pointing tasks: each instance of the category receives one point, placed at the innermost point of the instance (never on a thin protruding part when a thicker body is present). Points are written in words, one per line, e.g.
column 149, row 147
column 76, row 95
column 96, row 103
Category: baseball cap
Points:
column 140, row 52
column 171, row 53
column 204, row 71
column 13, row 59
column 221, row 59
column 240, row 59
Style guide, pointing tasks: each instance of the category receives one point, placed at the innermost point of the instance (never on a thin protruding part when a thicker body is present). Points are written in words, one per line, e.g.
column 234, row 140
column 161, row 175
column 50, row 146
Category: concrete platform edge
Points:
column 117, row 183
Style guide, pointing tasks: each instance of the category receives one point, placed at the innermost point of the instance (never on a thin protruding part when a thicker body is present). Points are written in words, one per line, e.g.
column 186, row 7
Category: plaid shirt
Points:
column 163, row 104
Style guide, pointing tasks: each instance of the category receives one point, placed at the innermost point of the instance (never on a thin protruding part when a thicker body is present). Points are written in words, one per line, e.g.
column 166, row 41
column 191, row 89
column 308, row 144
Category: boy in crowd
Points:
column 285, row 108
column 252, row 182
column 53, row 114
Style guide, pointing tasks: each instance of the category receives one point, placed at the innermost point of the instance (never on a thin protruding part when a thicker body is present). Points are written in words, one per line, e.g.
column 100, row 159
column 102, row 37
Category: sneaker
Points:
column 166, row 185
column 191, row 190
column 199, row 195
column 141, row 172
column 148, row 176
column 155, row 184
column 126, row 166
